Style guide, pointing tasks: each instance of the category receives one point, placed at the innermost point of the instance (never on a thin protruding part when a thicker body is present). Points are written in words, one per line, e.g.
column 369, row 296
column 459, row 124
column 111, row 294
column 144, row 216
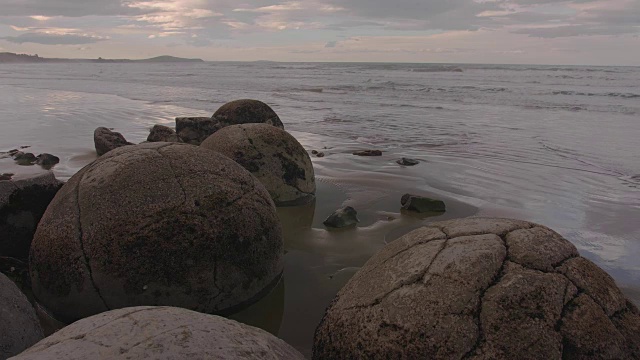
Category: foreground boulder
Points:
column 159, row 333
column 23, row 201
column 479, row 289
column 106, row 140
column 194, row 130
column 161, row 133
column 273, row 156
column 157, row 224
column 19, row 326
column 246, row 111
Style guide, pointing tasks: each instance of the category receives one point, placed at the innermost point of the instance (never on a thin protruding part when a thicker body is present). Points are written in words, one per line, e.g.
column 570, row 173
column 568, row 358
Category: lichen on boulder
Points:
column 479, row 289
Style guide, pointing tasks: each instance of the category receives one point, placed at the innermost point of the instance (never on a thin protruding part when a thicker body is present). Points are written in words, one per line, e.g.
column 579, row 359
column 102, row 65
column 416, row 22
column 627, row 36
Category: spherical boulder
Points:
column 479, row 289
column 273, row 156
column 159, row 333
column 19, row 326
column 157, row 224
column 246, row 111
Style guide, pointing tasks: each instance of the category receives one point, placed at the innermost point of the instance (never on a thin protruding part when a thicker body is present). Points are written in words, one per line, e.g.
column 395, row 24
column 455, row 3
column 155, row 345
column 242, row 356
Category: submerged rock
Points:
column 157, row 224
column 24, row 159
column 341, row 218
column 19, row 326
column 408, row 162
column 368, row 153
column 479, row 289
column 161, row 133
column 47, row 160
column 320, row 154
column 160, row 333
column 422, row 204
column 195, row 130
column 247, row 111
column 273, row 156
column 106, row 140
column 22, row 204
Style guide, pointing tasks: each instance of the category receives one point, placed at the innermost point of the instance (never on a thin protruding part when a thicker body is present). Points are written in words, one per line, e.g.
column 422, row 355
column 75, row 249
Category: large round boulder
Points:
column 159, row 333
column 157, row 224
column 479, row 289
column 19, row 326
column 273, row 156
column 246, row 111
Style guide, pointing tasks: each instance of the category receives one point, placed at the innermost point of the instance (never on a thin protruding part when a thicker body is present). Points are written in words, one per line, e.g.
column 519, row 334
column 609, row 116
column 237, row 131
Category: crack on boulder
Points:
column 152, row 337
column 81, row 240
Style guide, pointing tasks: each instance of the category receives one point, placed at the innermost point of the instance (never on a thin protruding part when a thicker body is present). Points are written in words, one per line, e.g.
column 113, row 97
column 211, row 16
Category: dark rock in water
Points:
column 147, row 332
column 408, row 162
column 6, row 176
column 247, row 111
column 47, row 160
column 195, row 130
column 314, row 152
column 320, row 154
column 13, row 152
column 368, row 153
column 157, row 224
column 273, row 156
column 341, row 218
column 422, row 204
column 22, row 204
column 106, row 140
column 19, row 326
column 161, row 133
column 479, row 288
column 24, row 159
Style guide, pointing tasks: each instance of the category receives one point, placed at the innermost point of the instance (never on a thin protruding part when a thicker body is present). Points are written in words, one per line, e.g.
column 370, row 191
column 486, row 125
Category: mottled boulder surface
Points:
column 194, row 130
column 159, row 333
column 157, row 224
column 161, row 133
column 247, row 111
column 106, row 140
column 479, row 289
column 19, row 326
column 273, row 156
column 23, row 201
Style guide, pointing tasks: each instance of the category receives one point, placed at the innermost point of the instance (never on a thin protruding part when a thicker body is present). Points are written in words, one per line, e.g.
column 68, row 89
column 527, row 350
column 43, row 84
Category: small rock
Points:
column 408, row 162
column 47, row 160
column 106, row 140
column 13, row 152
column 314, row 152
column 24, row 159
column 25, row 147
column 421, row 204
column 368, row 153
column 341, row 218
column 195, row 130
column 320, row 154
column 161, row 133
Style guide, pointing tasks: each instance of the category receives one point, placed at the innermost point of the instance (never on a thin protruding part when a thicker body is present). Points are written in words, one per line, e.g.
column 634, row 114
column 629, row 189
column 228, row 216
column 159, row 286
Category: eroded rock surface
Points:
column 161, row 133
column 247, row 111
column 273, row 156
column 479, row 289
column 194, row 130
column 19, row 326
column 157, row 224
column 160, row 333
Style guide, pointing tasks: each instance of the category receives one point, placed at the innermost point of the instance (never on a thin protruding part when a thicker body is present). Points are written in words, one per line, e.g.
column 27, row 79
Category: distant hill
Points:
column 7, row 57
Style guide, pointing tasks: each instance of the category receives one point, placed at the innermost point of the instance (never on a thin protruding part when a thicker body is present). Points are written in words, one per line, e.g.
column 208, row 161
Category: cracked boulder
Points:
column 479, row 288
column 247, row 111
column 157, row 224
column 159, row 333
column 273, row 156
column 19, row 326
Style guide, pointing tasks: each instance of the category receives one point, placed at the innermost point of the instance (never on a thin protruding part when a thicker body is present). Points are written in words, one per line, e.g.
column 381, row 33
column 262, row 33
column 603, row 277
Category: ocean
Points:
column 557, row 145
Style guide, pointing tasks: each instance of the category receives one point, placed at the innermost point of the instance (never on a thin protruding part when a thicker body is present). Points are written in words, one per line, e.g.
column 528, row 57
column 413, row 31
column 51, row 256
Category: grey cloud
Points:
column 53, row 39
column 575, row 30
column 71, row 8
column 331, row 44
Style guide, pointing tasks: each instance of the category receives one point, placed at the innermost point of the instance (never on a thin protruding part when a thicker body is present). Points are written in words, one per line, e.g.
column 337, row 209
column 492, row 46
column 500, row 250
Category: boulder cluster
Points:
column 146, row 248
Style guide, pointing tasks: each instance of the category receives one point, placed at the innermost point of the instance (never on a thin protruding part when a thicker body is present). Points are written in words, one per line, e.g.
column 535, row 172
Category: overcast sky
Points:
column 477, row 31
